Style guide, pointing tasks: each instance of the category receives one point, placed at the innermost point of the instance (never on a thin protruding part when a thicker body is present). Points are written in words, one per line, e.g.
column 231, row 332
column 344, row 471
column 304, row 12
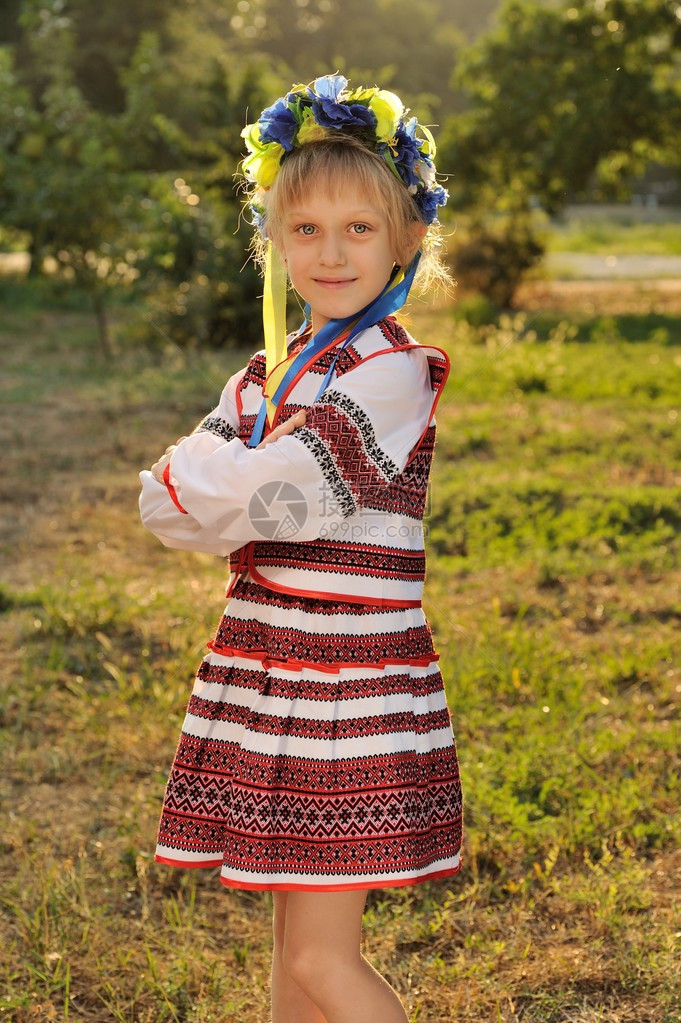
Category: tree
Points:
column 104, row 196
column 72, row 179
column 105, row 37
column 562, row 103
column 394, row 43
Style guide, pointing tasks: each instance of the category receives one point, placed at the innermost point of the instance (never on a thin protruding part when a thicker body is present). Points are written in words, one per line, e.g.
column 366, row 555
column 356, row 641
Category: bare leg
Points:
column 322, row 956
column 290, row 1004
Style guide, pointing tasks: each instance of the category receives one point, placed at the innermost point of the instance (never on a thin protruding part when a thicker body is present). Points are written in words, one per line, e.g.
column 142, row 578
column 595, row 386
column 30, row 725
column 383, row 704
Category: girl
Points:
column 316, row 759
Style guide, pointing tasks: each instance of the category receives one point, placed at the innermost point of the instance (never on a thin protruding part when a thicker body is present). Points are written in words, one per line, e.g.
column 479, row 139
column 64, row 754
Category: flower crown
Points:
column 375, row 117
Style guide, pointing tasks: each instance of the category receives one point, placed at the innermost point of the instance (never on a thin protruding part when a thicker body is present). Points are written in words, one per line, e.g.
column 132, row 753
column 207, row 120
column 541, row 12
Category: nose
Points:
column 331, row 252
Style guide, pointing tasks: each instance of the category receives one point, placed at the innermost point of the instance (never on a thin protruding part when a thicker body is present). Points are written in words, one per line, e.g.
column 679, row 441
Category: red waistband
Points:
column 291, row 664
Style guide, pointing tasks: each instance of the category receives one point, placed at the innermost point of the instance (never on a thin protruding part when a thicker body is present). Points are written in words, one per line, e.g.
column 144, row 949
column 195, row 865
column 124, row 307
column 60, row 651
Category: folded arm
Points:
column 357, row 436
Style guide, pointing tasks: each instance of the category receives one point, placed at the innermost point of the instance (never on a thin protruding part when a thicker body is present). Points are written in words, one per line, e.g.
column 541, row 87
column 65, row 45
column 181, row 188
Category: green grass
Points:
column 617, row 231
column 553, row 594
column 659, row 328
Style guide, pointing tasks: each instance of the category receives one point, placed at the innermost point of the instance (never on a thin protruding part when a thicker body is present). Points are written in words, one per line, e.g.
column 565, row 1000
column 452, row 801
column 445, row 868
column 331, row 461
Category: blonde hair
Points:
column 329, row 163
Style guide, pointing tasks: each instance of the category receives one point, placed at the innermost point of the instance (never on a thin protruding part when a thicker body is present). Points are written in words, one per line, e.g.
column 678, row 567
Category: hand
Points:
column 299, row 419
column 158, row 468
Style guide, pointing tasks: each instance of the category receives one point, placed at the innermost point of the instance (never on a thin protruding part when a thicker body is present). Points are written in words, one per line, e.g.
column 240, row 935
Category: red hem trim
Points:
column 332, row 669
column 171, row 490
column 323, row 594
column 193, row 864
column 286, row 887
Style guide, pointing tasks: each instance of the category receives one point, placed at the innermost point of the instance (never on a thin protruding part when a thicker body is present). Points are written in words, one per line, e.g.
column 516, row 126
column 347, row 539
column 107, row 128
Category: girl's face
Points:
column 338, row 251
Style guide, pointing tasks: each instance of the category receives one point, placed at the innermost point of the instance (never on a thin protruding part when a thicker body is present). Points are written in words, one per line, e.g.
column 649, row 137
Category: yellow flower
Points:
column 251, row 134
column 309, row 130
column 388, row 109
column 263, row 166
column 428, row 145
column 361, row 95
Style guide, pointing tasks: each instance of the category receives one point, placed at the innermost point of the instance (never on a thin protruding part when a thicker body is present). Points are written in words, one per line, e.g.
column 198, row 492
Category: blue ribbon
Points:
column 388, row 301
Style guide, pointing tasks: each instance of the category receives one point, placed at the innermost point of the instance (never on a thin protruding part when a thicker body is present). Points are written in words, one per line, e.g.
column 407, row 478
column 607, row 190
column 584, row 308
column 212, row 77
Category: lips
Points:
column 334, row 282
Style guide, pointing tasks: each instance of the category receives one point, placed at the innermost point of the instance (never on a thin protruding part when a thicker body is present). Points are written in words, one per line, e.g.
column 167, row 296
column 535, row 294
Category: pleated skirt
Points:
column 317, row 750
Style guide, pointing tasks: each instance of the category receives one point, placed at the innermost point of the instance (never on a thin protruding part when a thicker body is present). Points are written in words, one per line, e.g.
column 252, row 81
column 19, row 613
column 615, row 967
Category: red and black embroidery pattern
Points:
column 394, row 332
column 263, row 836
column 219, row 426
column 352, row 817
column 407, row 494
column 317, row 749
column 341, row 437
column 298, row 778
column 343, row 556
column 321, row 606
column 305, row 688
column 355, row 728
column 282, row 643
column 353, row 774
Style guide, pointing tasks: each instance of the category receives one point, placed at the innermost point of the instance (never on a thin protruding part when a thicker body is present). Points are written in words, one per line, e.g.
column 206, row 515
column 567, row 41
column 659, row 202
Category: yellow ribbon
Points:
column 274, row 321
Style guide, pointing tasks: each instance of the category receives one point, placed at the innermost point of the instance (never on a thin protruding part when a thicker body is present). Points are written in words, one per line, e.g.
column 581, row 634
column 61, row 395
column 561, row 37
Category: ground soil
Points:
column 594, row 298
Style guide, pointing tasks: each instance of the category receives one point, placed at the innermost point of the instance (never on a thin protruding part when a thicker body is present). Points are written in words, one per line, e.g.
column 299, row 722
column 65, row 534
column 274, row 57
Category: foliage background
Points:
column 553, row 585
column 119, row 129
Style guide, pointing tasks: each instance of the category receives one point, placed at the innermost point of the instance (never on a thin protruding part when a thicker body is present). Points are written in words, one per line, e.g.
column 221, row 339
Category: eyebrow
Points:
column 351, row 214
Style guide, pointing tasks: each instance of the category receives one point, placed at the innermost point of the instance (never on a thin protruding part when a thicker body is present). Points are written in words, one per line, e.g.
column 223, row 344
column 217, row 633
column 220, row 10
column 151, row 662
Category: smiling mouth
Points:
column 331, row 281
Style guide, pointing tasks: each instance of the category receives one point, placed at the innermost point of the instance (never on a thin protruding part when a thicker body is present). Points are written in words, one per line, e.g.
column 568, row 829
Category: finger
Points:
column 158, row 467
column 290, row 425
column 299, row 419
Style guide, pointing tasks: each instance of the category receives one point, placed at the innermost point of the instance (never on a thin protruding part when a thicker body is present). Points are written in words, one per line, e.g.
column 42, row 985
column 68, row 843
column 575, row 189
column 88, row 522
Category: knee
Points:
column 305, row 964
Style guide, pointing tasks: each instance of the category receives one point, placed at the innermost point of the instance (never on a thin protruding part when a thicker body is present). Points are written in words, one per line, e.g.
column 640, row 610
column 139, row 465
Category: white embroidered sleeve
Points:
column 358, row 436
column 158, row 511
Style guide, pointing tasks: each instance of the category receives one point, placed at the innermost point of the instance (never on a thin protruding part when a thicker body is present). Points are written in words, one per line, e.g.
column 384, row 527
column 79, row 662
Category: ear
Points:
column 420, row 231
column 417, row 232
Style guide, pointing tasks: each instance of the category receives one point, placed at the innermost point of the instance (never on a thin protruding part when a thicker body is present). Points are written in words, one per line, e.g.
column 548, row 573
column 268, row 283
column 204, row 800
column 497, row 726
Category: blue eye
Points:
column 360, row 228
column 306, row 229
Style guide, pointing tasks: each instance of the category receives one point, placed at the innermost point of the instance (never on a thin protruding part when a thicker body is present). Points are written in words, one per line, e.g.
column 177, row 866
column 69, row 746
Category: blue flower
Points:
column 308, row 112
column 258, row 217
column 429, row 201
column 331, row 114
column 407, row 152
column 330, row 87
column 278, row 124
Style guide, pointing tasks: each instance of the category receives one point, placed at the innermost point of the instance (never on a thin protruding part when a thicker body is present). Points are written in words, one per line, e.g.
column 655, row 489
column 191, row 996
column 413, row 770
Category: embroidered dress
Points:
column 317, row 750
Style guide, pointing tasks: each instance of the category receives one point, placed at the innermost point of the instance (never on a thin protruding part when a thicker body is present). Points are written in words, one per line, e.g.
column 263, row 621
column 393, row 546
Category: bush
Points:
column 476, row 309
column 492, row 259
column 200, row 289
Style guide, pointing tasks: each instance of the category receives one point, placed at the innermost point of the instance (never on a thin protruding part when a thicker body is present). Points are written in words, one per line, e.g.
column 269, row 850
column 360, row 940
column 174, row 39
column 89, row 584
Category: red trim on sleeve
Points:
column 238, row 400
column 172, row 491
